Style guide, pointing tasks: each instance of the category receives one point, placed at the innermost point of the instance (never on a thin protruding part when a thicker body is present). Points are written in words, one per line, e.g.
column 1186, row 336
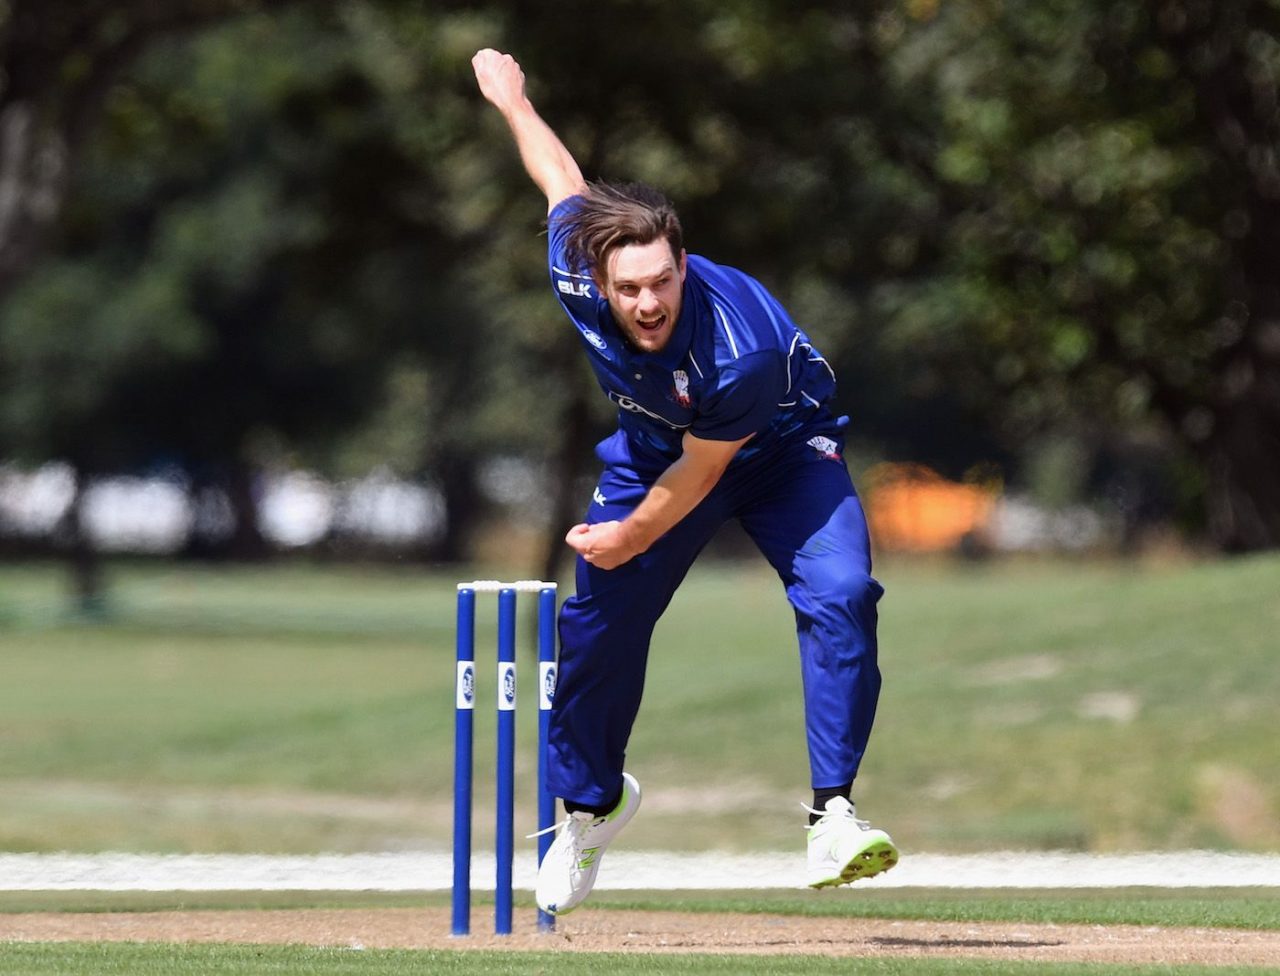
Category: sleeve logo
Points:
column 574, row 289
column 826, row 447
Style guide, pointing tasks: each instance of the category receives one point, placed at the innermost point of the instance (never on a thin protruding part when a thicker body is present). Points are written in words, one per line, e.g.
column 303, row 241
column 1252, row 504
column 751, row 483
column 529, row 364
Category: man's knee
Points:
column 840, row 583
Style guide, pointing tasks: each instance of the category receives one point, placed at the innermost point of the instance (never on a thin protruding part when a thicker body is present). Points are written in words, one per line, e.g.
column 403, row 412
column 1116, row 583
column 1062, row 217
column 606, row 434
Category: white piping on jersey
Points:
column 569, row 274
column 790, row 352
column 733, row 346
column 815, row 358
column 792, row 403
column 626, row 403
column 701, row 374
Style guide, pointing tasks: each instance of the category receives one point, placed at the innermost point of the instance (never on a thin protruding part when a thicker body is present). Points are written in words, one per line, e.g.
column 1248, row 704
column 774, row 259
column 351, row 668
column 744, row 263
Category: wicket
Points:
column 504, row 840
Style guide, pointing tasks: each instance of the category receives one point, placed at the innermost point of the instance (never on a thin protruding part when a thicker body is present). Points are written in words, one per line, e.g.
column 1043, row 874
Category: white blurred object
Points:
column 296, row 508
column 32, row 502
column 126, row 514
column 1019, row 525
column 390, row 510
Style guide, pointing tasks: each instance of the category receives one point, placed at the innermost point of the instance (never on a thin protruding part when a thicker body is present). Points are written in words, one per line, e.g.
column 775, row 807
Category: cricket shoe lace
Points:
column 849, row 814
column 574, row 823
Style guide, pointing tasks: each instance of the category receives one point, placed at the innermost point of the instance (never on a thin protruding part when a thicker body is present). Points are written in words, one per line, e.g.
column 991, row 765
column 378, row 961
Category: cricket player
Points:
column 724, row 412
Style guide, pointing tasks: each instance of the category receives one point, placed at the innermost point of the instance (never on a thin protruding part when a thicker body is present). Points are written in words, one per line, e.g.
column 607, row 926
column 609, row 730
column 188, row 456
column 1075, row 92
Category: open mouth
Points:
column 652, row 325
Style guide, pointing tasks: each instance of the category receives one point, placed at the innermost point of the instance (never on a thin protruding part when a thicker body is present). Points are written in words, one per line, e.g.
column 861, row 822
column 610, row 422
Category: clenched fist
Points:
column 499, row 76
column 605, row 545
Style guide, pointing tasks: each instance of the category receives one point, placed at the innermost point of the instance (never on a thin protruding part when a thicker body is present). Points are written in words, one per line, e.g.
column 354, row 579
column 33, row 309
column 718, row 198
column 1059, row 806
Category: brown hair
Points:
column 614, row 215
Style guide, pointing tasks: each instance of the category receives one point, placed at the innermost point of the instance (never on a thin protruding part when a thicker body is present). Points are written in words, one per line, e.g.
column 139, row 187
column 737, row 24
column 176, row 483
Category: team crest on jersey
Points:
column 682, row 387
column 826, row 447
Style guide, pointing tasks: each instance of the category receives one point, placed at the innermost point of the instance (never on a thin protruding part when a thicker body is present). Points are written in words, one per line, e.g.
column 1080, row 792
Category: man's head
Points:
column 628, row 236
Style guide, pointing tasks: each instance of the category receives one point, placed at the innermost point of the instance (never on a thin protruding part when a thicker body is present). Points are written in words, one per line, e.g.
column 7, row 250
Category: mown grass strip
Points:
column 1246, row 908
column 134, row 959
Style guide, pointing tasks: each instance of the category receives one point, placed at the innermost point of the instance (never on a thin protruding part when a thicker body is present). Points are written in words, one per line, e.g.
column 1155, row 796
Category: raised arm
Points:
column 548, row 163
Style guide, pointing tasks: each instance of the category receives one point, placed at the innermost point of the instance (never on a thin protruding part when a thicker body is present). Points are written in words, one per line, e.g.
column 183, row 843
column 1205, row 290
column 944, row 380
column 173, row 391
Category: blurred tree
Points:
column 268, row 196
column 60, row 59
column 1111, row 190
column 59, row 62
column 300, row 235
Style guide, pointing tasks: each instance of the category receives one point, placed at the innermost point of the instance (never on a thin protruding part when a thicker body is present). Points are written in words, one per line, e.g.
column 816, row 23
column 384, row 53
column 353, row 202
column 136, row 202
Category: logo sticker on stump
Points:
column 546, row 684
column 466, row 685
column 506, row 686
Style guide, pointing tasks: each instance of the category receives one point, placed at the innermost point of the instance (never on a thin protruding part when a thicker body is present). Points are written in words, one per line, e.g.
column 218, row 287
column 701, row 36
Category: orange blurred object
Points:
column 912, row 508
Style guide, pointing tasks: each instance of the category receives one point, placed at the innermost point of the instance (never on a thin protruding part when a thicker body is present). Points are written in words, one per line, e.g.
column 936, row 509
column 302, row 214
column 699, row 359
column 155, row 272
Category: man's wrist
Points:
column 633, row 535
column 516, row 107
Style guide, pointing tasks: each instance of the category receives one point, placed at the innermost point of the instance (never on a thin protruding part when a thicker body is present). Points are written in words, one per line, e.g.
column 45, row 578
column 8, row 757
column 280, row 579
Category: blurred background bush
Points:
column 271, row 276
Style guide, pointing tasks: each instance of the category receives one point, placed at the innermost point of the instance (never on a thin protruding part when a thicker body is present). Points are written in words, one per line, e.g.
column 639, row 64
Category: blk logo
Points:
column 574, row 289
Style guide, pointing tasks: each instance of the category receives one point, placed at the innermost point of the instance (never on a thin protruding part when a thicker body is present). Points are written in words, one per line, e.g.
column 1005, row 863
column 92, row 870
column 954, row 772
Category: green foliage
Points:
column 77, row 330
column 294, row 232
column 1094, row 257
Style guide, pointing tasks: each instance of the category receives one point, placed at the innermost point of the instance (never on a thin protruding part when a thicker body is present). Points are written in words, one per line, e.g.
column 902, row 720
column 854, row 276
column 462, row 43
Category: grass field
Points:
column 1242, row 908
column 1148, row 908
column 1041, row 705
column 171, row 960
column 1027, row 704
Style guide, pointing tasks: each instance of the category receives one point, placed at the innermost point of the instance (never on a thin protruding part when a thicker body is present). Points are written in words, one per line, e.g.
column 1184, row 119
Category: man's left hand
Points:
column 605, row 545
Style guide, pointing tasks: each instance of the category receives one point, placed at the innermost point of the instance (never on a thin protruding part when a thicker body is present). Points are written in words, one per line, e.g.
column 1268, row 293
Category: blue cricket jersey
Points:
column 735, row 364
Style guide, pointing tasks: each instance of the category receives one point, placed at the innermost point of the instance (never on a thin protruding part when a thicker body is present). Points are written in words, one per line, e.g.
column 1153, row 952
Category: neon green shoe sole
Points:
column 877, row 857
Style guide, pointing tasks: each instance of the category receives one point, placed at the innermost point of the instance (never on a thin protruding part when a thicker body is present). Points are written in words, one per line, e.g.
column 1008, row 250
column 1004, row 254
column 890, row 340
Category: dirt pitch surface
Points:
column 604, row 930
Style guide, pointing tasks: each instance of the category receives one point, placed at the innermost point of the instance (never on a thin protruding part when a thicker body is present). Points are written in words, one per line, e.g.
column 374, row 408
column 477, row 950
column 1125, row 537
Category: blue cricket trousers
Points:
column 799, row 507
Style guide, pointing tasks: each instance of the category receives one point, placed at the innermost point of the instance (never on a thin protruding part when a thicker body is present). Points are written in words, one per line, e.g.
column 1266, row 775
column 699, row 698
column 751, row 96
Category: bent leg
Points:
column 605, row 630
column 810, row 526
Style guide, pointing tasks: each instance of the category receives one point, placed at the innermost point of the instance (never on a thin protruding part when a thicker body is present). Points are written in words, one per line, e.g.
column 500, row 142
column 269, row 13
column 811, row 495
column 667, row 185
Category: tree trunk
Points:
column 246, row 541
column 88, row 594
column 575, row 437
column 1243, row 460
column 33, row 166
column 463, row 505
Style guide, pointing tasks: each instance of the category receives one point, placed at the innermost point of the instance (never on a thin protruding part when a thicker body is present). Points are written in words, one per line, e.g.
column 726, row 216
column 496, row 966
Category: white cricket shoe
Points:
column 569, row 869
column 843, row 849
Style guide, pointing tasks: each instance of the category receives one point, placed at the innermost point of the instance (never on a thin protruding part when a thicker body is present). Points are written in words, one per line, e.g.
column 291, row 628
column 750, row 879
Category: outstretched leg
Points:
column 808, row 522
column 810, row 526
